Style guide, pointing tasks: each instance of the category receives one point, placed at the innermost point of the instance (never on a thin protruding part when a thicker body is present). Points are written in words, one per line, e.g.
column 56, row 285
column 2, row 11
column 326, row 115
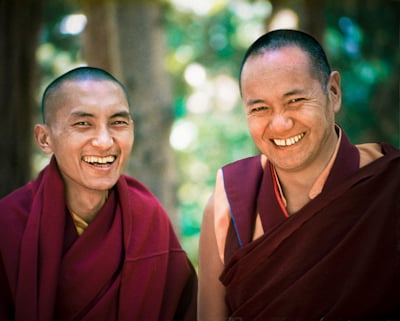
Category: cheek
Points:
column 325, row 118
column 330, row 116
column 126, row 142
column 316, row 115
column 256, row 127
column 64, row 146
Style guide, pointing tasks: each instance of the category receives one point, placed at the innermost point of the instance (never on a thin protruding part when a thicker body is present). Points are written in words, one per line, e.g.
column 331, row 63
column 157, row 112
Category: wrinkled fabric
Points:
column 338, row 258
column 127, row 265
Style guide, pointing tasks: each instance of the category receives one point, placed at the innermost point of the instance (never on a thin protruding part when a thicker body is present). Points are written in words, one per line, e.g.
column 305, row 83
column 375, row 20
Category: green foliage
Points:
column 361, row 44
column 56, row 53
column 221, row 134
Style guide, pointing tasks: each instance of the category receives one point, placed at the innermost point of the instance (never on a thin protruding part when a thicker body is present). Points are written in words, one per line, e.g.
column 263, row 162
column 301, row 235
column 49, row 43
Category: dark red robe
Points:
column 338, row 258
column 127, row 265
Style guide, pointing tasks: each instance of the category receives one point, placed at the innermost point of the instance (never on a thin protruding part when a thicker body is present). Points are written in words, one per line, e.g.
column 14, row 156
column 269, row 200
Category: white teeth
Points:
column 288, row 141
column 99, row 160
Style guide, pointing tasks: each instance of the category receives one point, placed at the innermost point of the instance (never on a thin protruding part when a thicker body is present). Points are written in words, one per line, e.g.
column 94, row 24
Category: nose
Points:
column 103, row 138
column 280, row 123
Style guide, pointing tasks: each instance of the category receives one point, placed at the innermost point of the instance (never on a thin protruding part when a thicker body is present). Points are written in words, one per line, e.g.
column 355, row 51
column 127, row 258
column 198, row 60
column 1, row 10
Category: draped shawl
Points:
column 127, row 265
column 338, row 258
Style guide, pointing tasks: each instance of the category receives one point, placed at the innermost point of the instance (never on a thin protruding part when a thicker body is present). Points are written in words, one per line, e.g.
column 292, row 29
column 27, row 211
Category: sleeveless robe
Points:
column 337, row 258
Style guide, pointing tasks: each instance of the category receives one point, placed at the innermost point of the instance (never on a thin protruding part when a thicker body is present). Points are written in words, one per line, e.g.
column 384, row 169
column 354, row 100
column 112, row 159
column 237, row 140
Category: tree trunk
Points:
column 141, row 54
column 311, row 14
column 100, row 41
column 19, row 28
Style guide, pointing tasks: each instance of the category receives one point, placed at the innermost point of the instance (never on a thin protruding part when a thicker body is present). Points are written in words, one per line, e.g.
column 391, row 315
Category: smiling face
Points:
column 90, row 132
column 289, row 114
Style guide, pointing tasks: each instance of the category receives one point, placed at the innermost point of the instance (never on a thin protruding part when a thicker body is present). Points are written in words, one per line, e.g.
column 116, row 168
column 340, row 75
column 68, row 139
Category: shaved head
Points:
column 277, row 39
column 51, row 100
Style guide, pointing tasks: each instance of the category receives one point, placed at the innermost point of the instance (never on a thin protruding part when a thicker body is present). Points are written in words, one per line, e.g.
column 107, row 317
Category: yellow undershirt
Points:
column 80, row 224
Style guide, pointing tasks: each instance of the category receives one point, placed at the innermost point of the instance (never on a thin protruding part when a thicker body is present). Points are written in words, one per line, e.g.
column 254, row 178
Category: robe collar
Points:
column 344, row 162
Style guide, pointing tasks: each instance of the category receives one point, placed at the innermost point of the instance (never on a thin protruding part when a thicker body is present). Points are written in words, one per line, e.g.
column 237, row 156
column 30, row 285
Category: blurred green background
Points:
column 202, row 44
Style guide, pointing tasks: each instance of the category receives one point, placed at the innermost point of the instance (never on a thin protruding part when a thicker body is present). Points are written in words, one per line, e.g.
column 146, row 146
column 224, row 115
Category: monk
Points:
column 83, row 241
column 310, row 228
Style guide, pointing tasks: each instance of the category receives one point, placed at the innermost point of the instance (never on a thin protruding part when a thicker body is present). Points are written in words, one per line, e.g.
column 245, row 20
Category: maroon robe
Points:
column 338, row 258
column 127, row 265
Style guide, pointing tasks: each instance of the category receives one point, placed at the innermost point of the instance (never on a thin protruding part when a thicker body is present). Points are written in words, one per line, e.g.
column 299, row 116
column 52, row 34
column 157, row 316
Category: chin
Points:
column 105, row 185
column 289, row 165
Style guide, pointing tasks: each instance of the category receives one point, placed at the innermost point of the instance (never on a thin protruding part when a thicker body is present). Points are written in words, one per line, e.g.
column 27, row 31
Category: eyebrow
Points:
column 125, row 114
column 293, row 92
column 287, row 94
column 254, row 101
column 78, row 114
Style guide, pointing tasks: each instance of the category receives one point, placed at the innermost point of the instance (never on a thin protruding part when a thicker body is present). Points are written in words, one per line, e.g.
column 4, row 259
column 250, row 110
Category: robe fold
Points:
column 127, row 265
column 338, row 258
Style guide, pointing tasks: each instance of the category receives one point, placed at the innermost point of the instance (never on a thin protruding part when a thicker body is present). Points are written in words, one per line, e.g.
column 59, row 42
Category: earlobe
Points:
column 42, row 138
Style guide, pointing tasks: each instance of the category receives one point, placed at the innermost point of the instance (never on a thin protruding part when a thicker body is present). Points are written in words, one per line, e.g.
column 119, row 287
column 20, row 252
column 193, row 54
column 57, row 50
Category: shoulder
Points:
column 245, row 162
column 147, row 225
column 235, row 178
column 14, row 214
column 17, row 203
column 137, row 190
column 20, row 201
column 240, row 175
column 371, row 152
column 232, row 174
column 141, row 200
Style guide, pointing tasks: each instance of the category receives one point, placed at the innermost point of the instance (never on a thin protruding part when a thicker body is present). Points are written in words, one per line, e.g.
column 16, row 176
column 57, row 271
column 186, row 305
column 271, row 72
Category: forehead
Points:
column 90, row 89
column 98, row 96
column 277, row 74
column 283, row 66
column 290, row 58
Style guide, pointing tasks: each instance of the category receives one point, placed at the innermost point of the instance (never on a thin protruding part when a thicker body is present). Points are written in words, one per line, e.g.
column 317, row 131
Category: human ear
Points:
column 334, row 91
column 41, row 135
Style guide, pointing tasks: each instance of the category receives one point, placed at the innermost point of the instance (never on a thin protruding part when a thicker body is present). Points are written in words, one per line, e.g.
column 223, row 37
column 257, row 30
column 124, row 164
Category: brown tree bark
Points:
column 100, row 39
column 311, row 14
column 19, row 28
column 136, row 31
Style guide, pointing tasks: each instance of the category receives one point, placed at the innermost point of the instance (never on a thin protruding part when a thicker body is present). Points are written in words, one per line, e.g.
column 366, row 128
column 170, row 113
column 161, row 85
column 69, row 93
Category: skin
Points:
column 284, row 103
column 88, row 122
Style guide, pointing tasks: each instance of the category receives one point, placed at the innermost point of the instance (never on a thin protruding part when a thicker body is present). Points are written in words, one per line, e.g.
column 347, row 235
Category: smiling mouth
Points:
column 99, row 161
column 289, row 141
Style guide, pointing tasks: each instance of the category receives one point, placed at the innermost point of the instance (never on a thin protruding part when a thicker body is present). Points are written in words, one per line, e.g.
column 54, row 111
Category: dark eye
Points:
column 120, row 123
column 296, row 100
column 81, row 124
column 257, row 109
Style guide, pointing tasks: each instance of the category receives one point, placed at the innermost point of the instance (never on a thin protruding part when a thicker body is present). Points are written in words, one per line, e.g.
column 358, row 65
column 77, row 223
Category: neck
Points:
column 296, row 186
column 86, row 205
column 296, row 192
